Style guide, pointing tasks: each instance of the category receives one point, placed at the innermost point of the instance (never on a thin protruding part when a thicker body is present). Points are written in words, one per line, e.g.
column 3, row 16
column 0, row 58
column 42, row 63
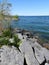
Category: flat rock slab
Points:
column 46, row 54
column 10, row 56
column 34, row 43
column 28, row 53
column 38, row 45
column 39, row 55
column 44, row 51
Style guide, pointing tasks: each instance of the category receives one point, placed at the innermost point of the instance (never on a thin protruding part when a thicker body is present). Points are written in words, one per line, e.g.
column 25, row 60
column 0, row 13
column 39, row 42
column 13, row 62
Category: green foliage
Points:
column 16, row 16
column 7, row 33
column 17, row 40
column 6, row 18
column 0, row 46
column 4, row 41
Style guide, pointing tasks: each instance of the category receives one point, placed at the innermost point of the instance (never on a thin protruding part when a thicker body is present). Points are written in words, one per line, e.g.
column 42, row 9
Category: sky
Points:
column 30, row 7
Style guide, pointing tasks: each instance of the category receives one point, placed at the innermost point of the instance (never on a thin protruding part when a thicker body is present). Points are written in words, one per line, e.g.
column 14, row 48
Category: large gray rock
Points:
column 39, row 55
column 38, row 50
column 28, row 53
column 21, row 37
column 46, row 53
column 33, row 42
column 10, row 56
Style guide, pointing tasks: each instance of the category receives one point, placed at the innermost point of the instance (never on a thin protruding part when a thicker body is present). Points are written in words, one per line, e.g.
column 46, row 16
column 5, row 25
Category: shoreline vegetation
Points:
column 7, row 37
column 14, row 17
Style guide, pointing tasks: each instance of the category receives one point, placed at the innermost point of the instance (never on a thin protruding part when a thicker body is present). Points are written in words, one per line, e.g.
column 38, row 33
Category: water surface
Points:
column 36, row 24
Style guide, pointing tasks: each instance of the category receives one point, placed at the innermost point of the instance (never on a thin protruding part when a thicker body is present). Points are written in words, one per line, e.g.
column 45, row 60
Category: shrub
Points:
column 4, row 41
column 17, row 40
column 6, row 33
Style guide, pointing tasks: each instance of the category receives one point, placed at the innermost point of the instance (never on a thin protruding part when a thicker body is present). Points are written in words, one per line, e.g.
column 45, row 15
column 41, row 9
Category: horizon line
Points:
column 30, row 15
column 33, row 15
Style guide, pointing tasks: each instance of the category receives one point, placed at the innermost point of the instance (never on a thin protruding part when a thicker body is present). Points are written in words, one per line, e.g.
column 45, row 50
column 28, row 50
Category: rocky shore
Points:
column 30, row 51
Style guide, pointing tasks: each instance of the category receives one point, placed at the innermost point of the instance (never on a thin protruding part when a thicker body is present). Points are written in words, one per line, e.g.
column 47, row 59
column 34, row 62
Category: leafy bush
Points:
column 17, row 40
column 6, row 36
column 6, row 33
column 16, row 16
column 4, row 41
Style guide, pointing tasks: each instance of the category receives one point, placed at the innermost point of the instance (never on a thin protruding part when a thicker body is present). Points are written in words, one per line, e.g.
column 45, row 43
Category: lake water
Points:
column 37, row 24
